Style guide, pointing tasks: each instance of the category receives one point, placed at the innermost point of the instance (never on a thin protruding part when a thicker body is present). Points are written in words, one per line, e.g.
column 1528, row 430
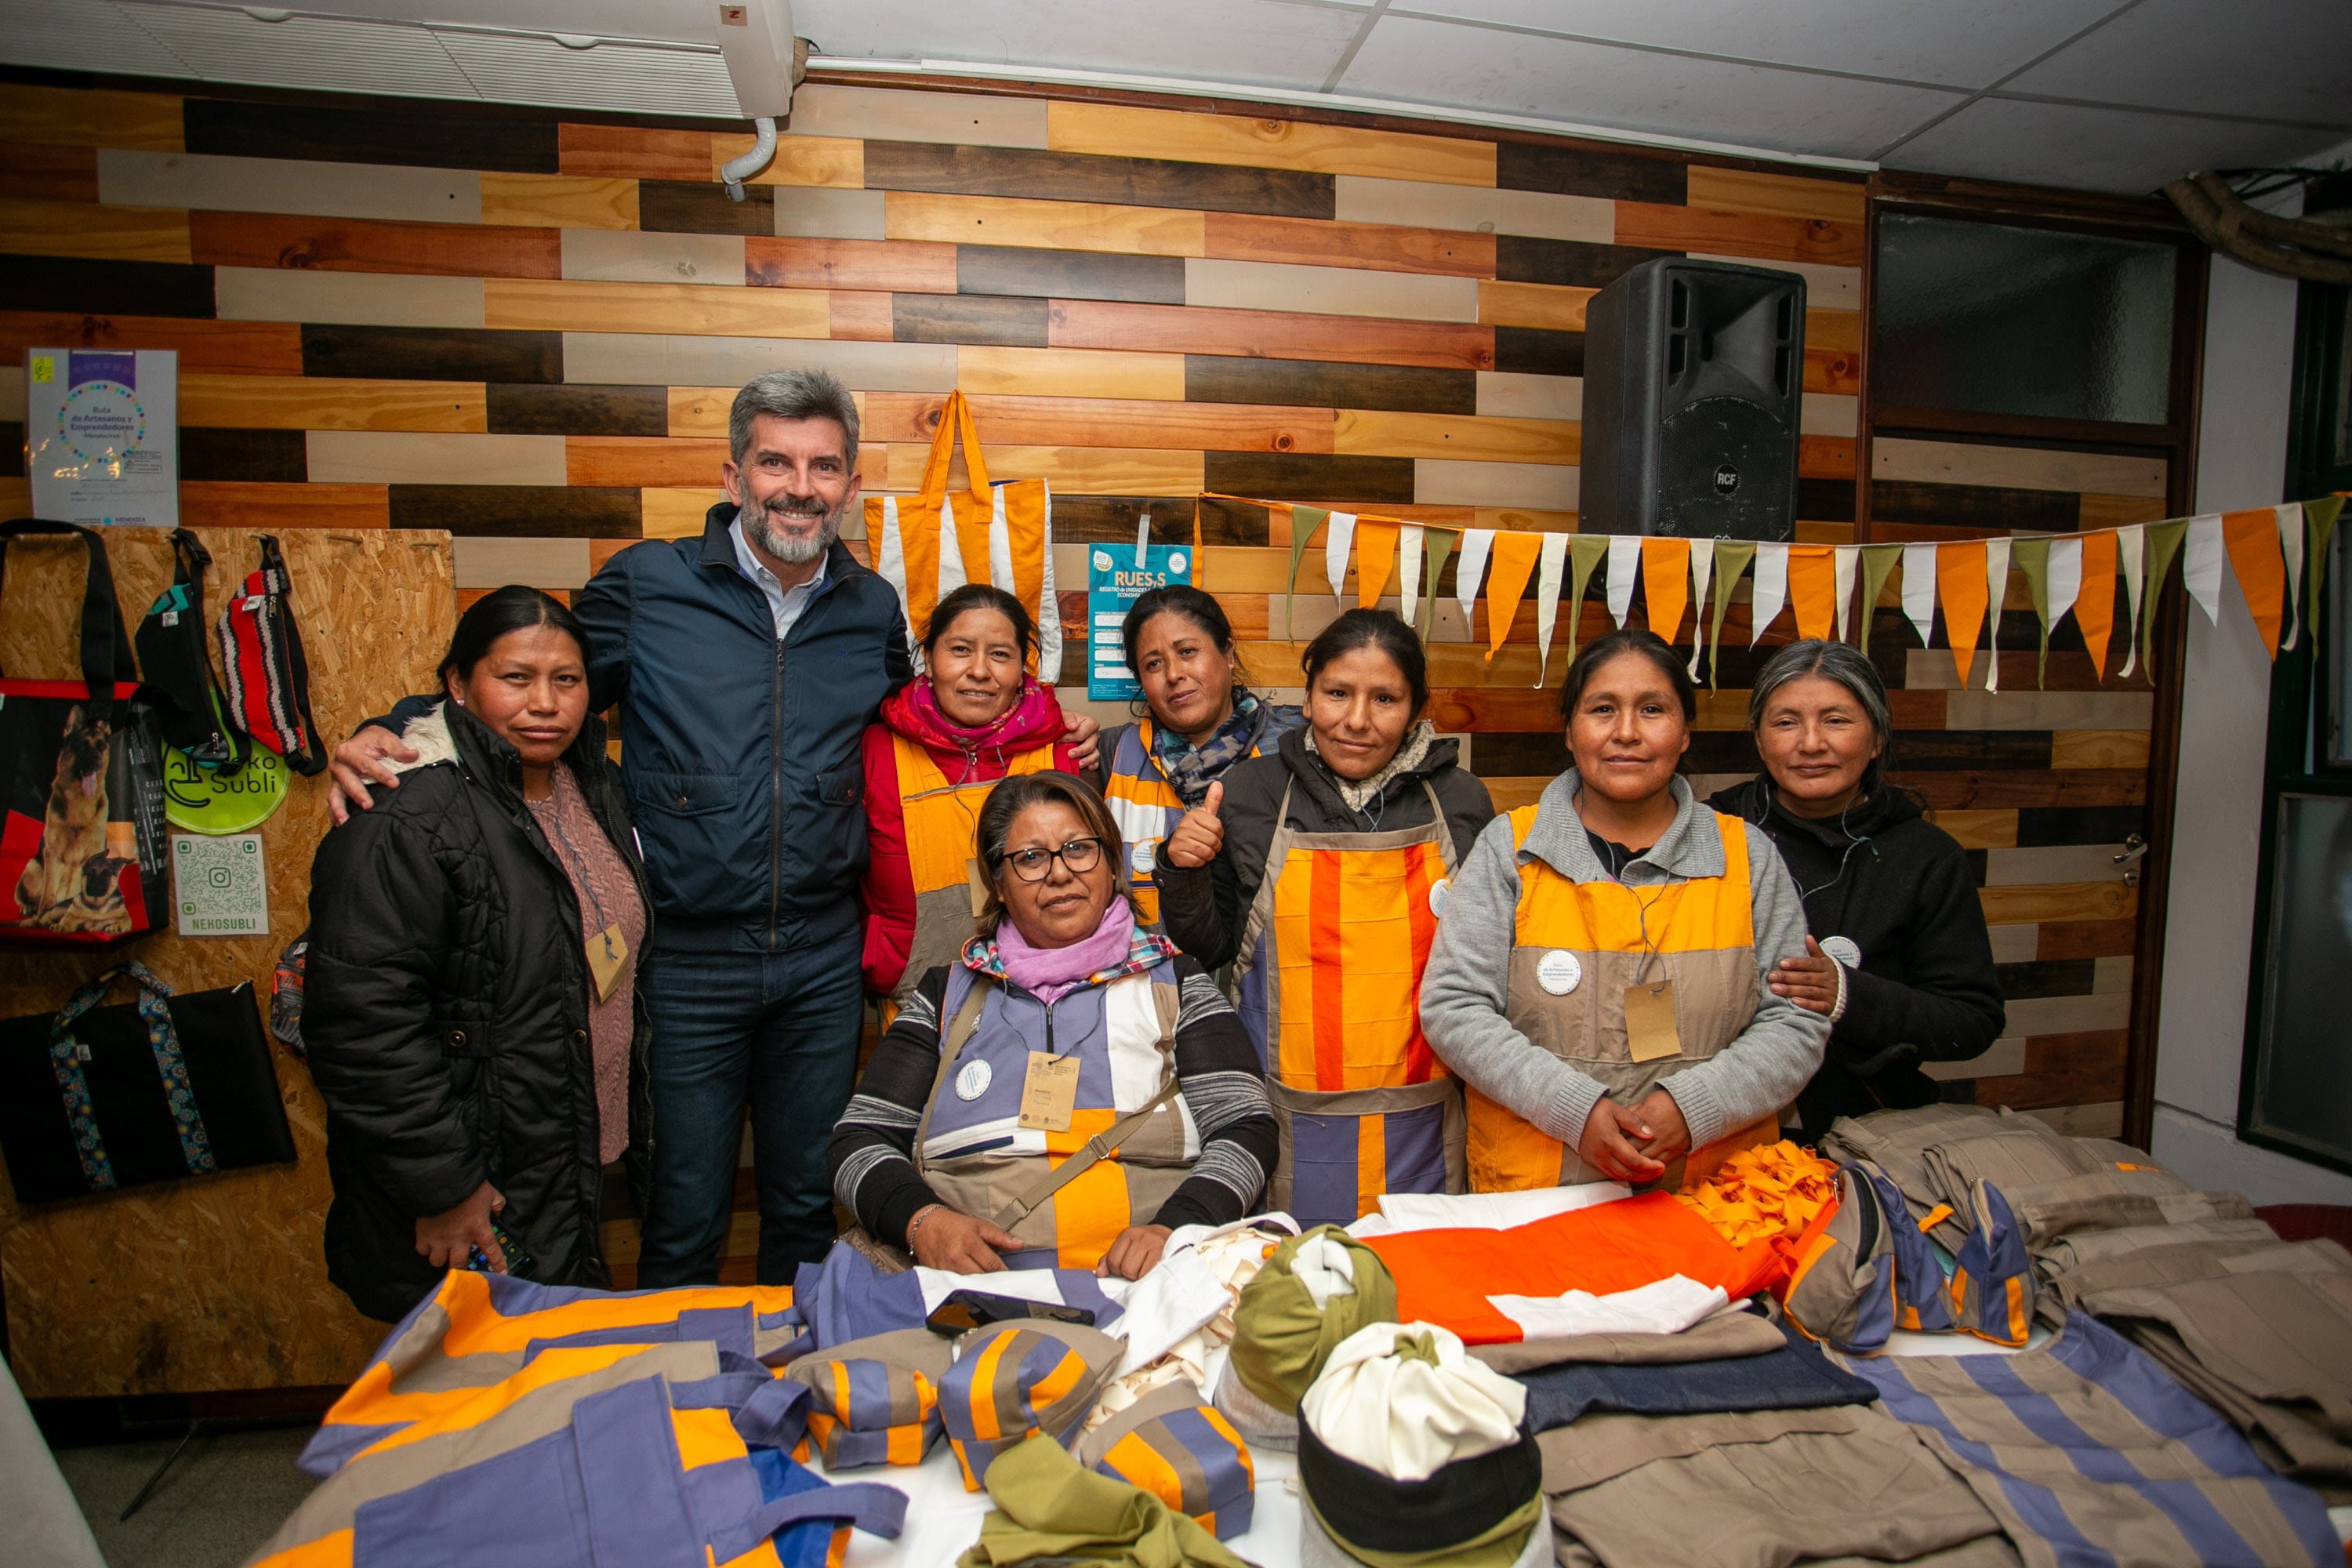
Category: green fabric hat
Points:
column 1048, row 1506
column 1281, row 1339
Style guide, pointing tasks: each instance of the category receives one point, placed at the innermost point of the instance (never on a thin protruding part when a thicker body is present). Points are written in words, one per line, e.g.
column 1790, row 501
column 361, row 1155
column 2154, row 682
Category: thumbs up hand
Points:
column 1200, row 835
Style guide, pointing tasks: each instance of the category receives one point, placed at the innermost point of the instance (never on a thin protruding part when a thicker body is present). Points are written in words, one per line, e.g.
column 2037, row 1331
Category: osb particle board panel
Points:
column 216, row 1283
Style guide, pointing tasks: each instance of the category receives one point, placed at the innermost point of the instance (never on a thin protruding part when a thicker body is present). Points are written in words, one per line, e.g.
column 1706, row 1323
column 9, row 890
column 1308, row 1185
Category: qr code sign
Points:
column 218, row 885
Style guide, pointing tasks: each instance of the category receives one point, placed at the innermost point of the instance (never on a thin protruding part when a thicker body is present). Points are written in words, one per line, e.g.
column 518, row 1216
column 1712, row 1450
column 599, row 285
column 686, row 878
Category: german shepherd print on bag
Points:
column 81, row 847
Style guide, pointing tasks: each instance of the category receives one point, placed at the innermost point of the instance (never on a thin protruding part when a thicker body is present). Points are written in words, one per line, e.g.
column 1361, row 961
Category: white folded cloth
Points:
column 1405, row 1400
column 1665, row 1306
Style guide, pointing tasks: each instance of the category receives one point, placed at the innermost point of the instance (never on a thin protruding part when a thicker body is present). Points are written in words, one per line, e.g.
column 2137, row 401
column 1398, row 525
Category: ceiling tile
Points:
column 2128, row 151
column 1252, row 41
column 1433, row 62
column 1915, row 40
column 2282, row 60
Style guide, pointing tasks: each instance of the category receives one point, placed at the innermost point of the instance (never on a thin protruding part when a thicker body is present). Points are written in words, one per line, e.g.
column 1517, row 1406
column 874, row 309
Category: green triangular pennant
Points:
column 1878, row 564
column 2163, row 543
column 1437, row 545
column 1304, row 522
column 2318, row 526
column 2031, row 559
column 1585, row 551
column 1731, row 558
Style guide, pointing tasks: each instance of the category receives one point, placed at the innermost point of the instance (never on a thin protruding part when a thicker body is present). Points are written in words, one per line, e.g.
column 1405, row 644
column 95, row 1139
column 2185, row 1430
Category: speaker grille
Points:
column 1725, row 472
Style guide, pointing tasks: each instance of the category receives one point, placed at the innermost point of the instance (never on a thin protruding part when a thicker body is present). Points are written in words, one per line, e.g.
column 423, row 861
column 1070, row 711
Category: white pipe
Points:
column 735, row 171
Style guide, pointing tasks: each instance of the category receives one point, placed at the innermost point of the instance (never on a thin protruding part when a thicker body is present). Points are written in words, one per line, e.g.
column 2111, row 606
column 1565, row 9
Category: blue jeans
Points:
column 782, row 1028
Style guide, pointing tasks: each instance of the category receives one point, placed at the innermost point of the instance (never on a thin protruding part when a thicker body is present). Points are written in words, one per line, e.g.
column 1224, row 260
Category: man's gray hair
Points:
column 791, row 394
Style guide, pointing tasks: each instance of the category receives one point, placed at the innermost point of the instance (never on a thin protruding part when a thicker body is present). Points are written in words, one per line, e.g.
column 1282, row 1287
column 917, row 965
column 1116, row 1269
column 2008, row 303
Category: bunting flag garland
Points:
column 1731, row 558
column 1878, row 562
column 1770, row 590
column 1548, row 568
column 1477, row 543
column 1813, row 588
column 1665, row 567
column 1440, row 545
column 2250, row 540
column 2095, row 604
column 2131, row 549
column 1702, row 564
column 1919, row 590
column 1846, row 559
column 1376, row 552
column 1960, row 583
column 1996, row 591
column 2277, row 556
column 1515, row 563
column 1624, row 561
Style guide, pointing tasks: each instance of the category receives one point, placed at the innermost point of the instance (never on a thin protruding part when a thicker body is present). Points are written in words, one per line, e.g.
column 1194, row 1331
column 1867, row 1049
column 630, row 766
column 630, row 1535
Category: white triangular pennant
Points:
column 2066, row 576
column 1339, row 537
column 2201, row 558
column 1470, row 570
column 1996, row 590
column 2289, row 532
column 1624, row 566
column 1847, row 555
column 1772, row 589
column 1551, row 567
column 2131, row 554
column 1702, row 572
column 1919, row 589
column 1409, row 557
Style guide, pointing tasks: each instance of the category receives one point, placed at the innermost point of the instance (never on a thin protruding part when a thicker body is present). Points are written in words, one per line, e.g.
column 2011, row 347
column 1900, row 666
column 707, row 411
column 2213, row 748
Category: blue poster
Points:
column 1118, row 575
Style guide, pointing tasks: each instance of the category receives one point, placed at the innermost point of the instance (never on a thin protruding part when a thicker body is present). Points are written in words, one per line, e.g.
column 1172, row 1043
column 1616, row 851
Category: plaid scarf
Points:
column 1191, row 769
column 1145, row 951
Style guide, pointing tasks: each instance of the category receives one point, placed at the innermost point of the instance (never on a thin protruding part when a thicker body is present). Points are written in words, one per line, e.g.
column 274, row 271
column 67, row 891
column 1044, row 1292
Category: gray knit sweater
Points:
column 1462, row 995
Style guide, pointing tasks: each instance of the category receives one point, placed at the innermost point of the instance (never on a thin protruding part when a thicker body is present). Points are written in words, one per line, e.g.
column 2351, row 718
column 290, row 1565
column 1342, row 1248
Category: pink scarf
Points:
column 1049, row 973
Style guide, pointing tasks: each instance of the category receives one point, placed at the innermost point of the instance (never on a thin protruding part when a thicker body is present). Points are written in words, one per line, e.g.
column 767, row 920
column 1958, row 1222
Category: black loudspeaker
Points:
column 1692, row 375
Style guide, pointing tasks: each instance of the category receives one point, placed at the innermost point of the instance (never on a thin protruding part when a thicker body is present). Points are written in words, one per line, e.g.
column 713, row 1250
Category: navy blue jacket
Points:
column 738, row 752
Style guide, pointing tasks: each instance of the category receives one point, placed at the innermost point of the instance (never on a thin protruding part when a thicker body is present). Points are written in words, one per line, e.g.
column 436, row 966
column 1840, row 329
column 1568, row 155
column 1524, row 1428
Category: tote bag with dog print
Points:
column 81, row 845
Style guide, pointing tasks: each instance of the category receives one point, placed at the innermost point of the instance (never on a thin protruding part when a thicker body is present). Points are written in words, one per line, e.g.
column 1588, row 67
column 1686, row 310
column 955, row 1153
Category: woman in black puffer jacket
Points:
column 471, row 1013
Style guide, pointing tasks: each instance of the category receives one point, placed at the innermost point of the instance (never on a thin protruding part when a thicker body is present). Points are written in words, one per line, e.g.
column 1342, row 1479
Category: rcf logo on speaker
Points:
column 1726, row 479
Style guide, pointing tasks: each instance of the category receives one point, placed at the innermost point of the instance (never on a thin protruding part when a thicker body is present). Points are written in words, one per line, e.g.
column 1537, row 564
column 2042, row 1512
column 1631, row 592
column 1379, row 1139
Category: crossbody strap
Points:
column 1103, row 1144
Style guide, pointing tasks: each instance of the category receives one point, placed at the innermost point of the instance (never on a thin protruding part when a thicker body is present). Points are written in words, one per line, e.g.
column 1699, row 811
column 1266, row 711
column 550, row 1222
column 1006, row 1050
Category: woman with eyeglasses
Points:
column 1070, row 1089
column 1320, row 873
column 975, row 715
column 1900, row 962
column 1201, row 719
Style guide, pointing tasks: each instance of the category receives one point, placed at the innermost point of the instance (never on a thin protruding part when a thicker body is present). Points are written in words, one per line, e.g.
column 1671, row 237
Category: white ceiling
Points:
column 2116, row 95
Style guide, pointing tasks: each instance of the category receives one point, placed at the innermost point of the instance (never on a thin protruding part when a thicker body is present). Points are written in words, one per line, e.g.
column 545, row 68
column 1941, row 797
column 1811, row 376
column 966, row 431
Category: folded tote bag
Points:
column 934, row 542
column 81, row 845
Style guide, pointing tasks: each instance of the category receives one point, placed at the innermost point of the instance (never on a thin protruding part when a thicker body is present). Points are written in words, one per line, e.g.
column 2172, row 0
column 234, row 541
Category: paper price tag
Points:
column 1650, row 1032
column 1049, row 1094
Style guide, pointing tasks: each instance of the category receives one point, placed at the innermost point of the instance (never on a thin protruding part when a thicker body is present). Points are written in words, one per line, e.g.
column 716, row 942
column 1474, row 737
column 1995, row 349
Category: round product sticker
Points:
column 1437, row 891
column 1176, row 563
column 1102, row 559
column 1843, row 949
column 972, row 1080
column 203, row 800
column 1138, row 856
column 1558, row 972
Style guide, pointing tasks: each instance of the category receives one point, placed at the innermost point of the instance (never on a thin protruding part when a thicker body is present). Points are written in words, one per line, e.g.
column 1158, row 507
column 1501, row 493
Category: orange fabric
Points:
column 1665, row 583
column 1761, row 1193
column 1352, row 934
column 1509, row 565
column 2094, row 605
column 1813, row 588
column 2252, row 540
column 1960, row 585
column 1446, row 1275
column 1376, row 548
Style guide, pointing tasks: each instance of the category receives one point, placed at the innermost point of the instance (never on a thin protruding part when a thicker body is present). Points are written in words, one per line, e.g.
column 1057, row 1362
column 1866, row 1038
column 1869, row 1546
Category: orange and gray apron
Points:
column 1576, row 947
column 1065, row 1194
column 1329, row 985
column 1147, row 808
column 939, row 818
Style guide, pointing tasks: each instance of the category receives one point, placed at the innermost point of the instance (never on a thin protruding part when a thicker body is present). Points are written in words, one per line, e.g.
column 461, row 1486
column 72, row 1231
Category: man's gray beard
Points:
column 790, row 550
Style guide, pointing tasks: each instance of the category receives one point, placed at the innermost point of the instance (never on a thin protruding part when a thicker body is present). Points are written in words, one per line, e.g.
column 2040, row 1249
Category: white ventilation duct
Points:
column 763, row 60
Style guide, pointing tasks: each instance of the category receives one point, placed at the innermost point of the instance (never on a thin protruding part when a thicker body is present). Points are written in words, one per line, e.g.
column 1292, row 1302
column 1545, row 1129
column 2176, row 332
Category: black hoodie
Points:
column 1900, row 889
column 1205, row 908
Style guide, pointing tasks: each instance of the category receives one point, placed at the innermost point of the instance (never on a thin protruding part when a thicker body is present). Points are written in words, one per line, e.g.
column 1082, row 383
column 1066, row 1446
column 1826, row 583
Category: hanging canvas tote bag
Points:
column 934, row 542
column 81, row 845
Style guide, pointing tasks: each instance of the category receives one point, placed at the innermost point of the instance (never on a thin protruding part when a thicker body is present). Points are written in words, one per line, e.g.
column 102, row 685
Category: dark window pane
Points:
column 2302, row 1074
column 1986, row 319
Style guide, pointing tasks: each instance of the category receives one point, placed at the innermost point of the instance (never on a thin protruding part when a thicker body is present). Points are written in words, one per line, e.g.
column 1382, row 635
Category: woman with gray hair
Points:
column 1899, row 960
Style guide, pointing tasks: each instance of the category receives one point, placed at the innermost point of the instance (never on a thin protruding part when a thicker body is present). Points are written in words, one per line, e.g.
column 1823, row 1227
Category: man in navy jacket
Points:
column 746, row 663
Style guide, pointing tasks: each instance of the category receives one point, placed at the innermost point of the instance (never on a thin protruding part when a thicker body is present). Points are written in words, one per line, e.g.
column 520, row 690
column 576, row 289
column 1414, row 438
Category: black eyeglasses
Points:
column 1080, row 855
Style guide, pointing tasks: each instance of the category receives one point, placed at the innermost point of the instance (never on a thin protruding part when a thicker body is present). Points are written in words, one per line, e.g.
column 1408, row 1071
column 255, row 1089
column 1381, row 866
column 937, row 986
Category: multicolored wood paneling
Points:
column 526, row 331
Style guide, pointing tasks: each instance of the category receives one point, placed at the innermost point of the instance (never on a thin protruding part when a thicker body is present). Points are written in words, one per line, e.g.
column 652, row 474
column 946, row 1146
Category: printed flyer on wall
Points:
column 1117, row 576
column 102, row 435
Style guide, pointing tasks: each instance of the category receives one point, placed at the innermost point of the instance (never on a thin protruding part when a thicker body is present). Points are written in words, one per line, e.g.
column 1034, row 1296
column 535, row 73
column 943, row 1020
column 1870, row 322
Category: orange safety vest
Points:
column 1576, row 948
column 1329, row 984
column 942, row 859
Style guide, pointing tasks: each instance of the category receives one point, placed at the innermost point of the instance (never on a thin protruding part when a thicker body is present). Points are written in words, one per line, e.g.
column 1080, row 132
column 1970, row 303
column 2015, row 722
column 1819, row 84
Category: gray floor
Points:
column 226, row 1495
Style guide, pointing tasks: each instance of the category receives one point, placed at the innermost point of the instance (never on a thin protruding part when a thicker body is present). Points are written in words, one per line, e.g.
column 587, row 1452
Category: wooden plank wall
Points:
column 526, row 330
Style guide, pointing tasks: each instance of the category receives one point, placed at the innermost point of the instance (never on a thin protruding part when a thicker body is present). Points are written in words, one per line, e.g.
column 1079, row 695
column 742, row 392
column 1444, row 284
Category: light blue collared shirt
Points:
column 785, row 604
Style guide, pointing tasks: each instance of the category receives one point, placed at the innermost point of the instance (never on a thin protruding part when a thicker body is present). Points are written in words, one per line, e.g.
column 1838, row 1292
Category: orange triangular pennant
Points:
column 2252, row 540
column 1813, row 588
column 2094, row 605
column 1961, row 584
column 1511, row 564
column 1665, row 583
column 1376, row 545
